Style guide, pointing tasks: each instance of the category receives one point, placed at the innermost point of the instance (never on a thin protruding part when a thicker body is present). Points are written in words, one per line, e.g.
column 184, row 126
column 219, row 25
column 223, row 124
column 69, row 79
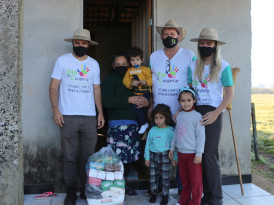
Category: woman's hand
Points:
column 174, row 163
column 209, row 118
column 140, row 101
column 197, row 160
column 147, row 163
column 170, row 154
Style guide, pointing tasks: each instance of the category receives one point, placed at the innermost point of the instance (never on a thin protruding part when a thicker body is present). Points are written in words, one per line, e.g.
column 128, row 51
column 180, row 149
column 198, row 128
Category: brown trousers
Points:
column 77, row 132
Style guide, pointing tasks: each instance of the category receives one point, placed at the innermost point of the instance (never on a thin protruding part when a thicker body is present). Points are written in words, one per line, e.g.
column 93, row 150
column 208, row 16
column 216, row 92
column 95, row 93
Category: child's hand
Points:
column 147, row 163
column 143, row 82
column 174, row 163
column 170, row 154
column 134, row 83
column 197, row 160
column 175, row 116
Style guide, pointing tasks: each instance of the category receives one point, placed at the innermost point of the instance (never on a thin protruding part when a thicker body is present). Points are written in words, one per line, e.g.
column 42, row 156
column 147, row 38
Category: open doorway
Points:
column 118, row 25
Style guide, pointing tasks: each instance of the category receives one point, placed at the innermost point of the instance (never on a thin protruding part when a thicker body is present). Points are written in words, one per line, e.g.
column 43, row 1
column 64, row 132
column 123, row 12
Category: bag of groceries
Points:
column 105, row 177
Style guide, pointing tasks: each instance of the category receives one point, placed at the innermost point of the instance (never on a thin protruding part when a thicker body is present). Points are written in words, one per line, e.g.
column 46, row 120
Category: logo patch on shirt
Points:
column 84, row 71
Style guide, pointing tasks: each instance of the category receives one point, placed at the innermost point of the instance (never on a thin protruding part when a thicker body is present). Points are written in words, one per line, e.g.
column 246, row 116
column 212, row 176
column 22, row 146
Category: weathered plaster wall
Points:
column 46, row 25
column 233, row 21
column 11, row 150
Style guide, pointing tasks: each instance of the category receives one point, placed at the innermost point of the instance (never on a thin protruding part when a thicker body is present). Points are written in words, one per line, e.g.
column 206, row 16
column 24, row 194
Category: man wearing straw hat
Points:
column 169, row 68
column 79, row 79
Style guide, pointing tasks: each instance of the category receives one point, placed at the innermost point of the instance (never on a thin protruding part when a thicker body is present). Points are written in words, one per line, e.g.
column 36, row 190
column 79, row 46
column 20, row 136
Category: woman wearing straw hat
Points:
column 208, row 75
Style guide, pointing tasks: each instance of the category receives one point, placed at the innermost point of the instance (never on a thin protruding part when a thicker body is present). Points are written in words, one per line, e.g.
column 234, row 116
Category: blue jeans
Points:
column 139, row 111
column 179, row 184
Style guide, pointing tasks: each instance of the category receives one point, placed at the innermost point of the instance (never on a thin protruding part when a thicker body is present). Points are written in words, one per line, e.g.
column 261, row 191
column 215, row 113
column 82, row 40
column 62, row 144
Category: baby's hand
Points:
column 197, row 160
column 134, row 83
column 147, row 163
column 170, row 155
column 174, row 163
column 143, row 82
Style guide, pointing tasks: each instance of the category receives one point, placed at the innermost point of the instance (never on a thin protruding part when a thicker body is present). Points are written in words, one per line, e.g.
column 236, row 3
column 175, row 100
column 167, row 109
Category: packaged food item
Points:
column 119, row 183
column 101, row 175
column 110, row 194
column 105, row 182
column 94, row 181
column 105, row 185
column 93, row 191
column 118, row 175
column 119, row 190
column 110, row 176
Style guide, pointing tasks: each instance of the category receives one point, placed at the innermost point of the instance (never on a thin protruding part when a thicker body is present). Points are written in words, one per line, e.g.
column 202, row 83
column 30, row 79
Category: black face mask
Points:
column 170, row 42
column 207, row 51
column 121, row 70
column 80, row 50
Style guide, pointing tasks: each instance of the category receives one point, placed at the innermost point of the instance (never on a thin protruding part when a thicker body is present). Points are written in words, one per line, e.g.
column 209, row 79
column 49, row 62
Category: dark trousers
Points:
column 139, row 111
column 212, row 179
column 159, row 165
column 77, row 131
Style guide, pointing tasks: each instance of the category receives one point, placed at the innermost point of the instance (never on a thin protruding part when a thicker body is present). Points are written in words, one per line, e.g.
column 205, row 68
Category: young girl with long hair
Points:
column 156, row 152
column 189, row 140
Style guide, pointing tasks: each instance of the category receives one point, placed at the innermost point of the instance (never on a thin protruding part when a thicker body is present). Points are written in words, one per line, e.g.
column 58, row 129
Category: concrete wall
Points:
column 233, row 21
column 11, row 150
column 46, row 25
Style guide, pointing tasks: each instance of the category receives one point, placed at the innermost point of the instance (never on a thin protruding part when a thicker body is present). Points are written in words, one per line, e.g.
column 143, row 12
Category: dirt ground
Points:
column 263, row 174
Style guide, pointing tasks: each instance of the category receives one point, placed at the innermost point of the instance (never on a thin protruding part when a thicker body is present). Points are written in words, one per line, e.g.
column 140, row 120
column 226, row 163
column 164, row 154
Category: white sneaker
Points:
column 143, row 129
column 177, row 204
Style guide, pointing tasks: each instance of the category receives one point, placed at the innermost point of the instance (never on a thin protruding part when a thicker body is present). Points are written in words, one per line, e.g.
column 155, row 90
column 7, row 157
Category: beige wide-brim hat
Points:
column 208, row 34
column 82, row 34
column 172, row 24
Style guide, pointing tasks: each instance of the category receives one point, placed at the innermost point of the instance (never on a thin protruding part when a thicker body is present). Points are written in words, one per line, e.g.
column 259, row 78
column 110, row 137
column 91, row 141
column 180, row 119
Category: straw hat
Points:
column 208, row 34
column 81, row 34
column 172, row 24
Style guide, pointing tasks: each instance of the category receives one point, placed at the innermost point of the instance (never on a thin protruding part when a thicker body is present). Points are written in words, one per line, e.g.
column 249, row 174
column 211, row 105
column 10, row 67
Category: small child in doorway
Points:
column 189, row 140
column 157, row 150
column 139, row 79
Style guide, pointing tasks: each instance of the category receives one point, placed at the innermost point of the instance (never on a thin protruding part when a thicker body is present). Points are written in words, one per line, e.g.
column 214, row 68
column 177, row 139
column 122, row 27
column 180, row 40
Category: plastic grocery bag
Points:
column 104, row 175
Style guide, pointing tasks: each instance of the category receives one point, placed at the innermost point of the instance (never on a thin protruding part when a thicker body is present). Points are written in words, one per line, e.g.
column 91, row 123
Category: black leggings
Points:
column 212, row 179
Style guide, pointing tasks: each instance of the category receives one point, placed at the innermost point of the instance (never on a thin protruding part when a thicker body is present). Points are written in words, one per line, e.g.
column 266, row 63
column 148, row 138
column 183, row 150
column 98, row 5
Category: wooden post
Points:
column 254, row 132
column 236, row 152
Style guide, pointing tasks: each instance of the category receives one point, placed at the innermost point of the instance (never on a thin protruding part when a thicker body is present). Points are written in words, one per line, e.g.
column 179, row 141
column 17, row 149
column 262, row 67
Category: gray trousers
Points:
column 159, row 165
column 77, row 132
column 212, row 179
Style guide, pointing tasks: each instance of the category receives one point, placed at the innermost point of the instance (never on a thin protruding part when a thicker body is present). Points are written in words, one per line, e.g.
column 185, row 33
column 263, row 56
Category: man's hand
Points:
column 147, row 163
column 135, row 83
column 170, row 154
column 101, row 121
column 58, row 117
column 174, row 163
column 143, row 82
column 197, row 160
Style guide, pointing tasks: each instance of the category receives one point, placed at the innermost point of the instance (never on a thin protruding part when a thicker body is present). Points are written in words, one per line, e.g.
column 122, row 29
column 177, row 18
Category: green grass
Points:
column 264, row 111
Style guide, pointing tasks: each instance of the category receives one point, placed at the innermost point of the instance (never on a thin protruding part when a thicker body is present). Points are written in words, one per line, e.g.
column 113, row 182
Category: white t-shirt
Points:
column 207, row 92
column 76, row 84
column 169, row 75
